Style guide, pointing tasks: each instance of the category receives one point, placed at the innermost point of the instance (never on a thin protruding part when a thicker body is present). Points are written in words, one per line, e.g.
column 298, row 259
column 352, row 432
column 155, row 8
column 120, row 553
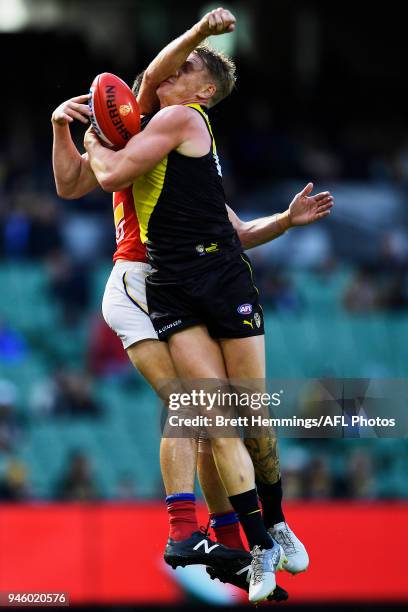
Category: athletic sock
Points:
column 248, row 511
column 271, row 500
column 182, row 515
column 226, row 528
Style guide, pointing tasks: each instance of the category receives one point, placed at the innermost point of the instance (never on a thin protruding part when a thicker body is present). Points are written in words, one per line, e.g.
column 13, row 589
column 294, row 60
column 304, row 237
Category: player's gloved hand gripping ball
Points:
column 115, row 112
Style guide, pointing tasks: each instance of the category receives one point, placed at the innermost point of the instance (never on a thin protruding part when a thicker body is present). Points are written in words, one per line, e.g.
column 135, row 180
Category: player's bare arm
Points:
column 174, row 127
column 72, row 172
column 169, row 60
column 303, row 210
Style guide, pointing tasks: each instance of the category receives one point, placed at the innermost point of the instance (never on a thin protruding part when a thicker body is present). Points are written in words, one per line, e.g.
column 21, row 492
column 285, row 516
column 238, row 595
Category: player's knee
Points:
column 223, row 445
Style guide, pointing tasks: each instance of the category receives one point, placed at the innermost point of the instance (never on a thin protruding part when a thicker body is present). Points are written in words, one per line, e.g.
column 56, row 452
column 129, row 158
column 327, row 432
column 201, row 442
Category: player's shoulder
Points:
column 175, row 115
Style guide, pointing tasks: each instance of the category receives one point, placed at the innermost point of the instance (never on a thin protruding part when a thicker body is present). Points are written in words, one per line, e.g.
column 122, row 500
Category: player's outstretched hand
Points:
column 74, row 108
column 305, row 209
column 218, row 21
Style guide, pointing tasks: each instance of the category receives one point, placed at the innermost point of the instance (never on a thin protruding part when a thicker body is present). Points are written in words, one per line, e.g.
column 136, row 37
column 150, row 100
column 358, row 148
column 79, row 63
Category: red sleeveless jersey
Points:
column 129, row 244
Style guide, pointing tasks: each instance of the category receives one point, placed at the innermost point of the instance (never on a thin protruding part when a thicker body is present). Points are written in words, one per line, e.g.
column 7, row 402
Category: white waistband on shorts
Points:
column 132, row 265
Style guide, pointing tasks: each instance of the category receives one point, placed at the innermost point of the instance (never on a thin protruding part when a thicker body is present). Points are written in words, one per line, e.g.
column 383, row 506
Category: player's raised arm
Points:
column 303, row 210
column 169, row 60
column 72, row 171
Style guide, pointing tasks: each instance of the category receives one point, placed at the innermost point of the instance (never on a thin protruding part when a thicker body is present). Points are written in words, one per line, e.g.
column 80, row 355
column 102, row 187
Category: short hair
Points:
column 221, row 68
column 137, row 83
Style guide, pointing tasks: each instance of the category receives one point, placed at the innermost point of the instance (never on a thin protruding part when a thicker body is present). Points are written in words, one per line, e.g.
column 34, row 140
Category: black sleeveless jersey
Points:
column 180, row 205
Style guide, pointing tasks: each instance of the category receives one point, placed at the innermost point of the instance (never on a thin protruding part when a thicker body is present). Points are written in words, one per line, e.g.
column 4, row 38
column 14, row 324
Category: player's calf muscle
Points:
column 265, row 457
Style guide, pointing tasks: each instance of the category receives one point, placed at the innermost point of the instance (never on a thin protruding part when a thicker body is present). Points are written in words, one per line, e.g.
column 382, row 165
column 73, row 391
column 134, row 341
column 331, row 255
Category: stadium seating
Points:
column 123, row 442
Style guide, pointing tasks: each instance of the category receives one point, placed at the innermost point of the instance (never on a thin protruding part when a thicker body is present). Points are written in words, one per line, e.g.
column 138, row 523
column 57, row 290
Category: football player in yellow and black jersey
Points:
column 201, row 297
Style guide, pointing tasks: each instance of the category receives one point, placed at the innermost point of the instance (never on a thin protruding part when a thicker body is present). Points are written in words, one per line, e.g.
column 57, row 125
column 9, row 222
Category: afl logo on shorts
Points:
column 244, row 309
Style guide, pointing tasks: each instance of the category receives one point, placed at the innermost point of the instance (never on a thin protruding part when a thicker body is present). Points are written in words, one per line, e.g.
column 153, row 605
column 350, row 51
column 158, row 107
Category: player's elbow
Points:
column 243, row 232
column 112, row 181
column 65, row 192
column 108, row 183
column 148, row 77
column 61, row 193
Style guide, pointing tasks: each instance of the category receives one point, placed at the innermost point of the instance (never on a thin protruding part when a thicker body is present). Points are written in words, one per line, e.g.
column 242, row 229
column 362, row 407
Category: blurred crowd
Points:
column 270, row 142
column 68, row 240
column 313, row 469
column 314, row 473
column 76, row 483
column 72, row 237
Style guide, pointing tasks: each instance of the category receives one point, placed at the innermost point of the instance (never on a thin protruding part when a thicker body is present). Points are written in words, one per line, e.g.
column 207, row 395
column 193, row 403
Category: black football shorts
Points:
column 222, row 297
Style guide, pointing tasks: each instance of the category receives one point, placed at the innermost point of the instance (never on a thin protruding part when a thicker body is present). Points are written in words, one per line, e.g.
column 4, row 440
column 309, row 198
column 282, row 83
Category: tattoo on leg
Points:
column 265, row 457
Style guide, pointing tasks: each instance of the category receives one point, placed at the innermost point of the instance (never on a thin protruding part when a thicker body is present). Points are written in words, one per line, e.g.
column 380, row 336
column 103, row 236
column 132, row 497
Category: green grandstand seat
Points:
column 100, row 276
column 29, row 306
column 24, row 375
column 125, row 440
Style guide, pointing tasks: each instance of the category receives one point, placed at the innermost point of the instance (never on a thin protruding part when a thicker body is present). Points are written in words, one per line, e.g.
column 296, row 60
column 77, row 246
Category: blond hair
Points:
column 221, row 68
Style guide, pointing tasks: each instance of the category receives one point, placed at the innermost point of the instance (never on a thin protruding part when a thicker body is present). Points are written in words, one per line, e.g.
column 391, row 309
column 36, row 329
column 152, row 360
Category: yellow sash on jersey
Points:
column 148, row 188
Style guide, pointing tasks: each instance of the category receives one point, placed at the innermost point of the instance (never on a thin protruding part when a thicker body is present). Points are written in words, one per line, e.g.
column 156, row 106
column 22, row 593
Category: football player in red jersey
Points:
column 124, row 304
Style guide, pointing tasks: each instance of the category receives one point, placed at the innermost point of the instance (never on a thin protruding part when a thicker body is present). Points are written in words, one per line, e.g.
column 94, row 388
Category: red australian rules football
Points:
column 115, row 111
